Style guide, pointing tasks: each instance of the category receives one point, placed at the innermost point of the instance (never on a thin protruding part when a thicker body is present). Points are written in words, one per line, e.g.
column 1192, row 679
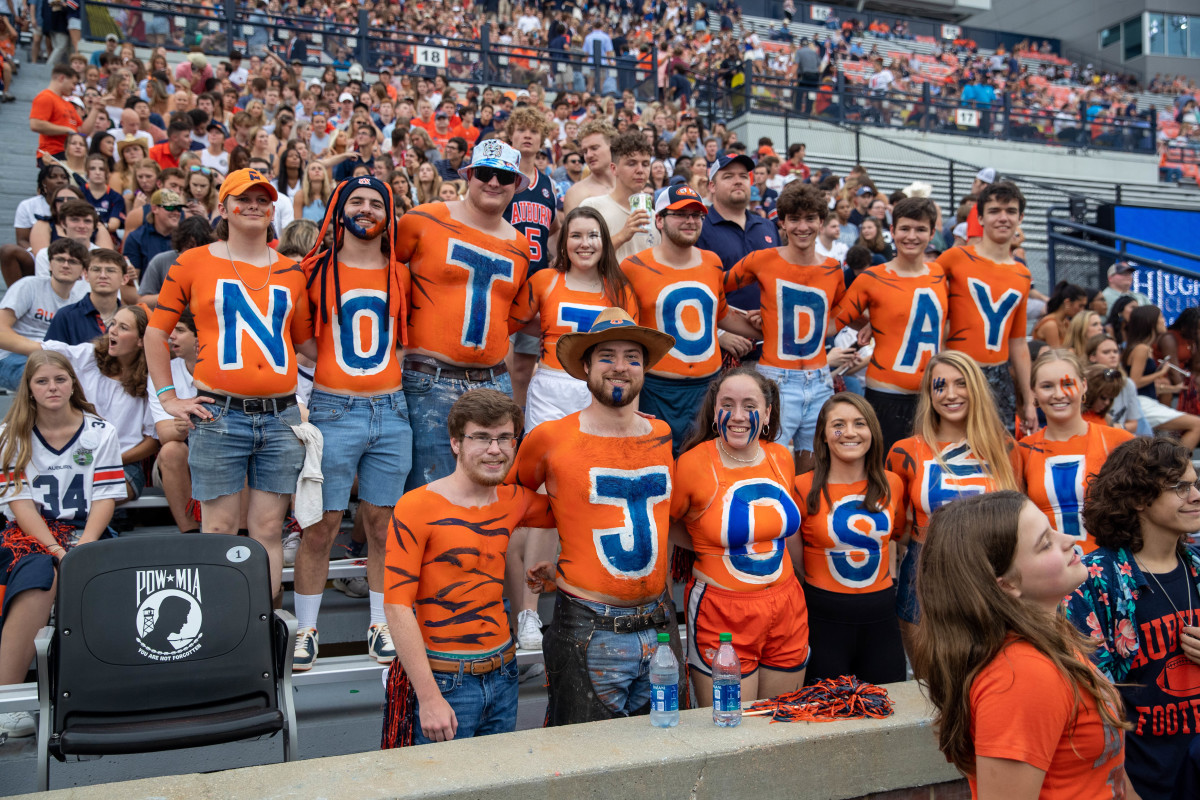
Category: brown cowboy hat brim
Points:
column 572, row 346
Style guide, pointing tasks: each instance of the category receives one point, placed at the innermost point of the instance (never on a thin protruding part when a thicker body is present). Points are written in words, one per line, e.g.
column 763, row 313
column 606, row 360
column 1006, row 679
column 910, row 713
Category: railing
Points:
column 319, row 41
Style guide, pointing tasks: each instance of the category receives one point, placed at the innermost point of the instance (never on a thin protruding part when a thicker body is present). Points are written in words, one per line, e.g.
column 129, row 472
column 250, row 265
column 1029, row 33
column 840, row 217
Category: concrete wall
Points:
column 1007, row 157
column 601, row 761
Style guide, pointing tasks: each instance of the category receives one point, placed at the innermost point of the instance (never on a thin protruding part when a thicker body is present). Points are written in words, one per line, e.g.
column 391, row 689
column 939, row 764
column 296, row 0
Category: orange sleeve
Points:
column 42, row 107
column 1020, row 706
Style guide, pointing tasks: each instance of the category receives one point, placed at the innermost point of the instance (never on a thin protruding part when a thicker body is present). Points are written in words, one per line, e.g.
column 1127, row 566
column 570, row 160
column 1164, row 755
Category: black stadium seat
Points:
column 163, row 642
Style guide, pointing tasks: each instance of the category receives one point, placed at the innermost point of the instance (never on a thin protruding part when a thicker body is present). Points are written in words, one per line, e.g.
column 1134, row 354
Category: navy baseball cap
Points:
column 726, row 160
column 678, row 197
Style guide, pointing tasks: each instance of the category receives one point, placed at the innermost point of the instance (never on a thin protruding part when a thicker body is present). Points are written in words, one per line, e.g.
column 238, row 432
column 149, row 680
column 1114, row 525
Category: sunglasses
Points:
column 502, row 176
column 201, row 170
column 172, row 209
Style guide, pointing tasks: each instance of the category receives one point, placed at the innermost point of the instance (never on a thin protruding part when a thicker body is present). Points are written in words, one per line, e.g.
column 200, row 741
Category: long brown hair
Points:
column 16, row 443
column 133, row 380
column 985, row 434
column 879, row 493
column 704, row 429
column 616, row 285
column 967, row 619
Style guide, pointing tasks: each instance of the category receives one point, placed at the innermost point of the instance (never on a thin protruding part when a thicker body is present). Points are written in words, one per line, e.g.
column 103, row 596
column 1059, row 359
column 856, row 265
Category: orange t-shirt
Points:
column 247, row 336
column 447, row 562
column 359, row 356
column 559, row 309
column 463, row 284
column 686, row 303
column 907, row 316
column 49, row 107
column 161, row 154
column 846, row 544
column 611, row 497
column 1057, row 474
column 1023, row 709
column 986, row 304
column 796, row 302
column 927, row 486
column 739, row 519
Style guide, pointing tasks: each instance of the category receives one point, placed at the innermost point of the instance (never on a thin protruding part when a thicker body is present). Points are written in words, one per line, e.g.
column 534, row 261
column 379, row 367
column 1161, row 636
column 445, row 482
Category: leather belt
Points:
column 253, row 405
column 477, row 666
column 631, row 623
column 450, row 372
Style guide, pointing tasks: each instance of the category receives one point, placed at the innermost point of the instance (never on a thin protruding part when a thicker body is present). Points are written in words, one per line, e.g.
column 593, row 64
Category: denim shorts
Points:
column 596, row 674
column 235, row 448
column 483, row 704
column 135, row 476
column 429, row 400
column 12, row 367
column 367, row 436
column 802, row 392
column 907, row 607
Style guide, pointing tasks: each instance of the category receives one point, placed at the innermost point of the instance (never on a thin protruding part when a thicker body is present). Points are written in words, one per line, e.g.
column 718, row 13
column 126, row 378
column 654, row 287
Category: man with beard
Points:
column 683, row 288
column 359, row 297
column 608, row 474
column 456, row 671
column 466, row 263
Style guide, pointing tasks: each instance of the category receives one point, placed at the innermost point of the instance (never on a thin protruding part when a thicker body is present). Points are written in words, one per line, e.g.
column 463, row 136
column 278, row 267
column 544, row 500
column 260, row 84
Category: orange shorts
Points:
column 769, row 626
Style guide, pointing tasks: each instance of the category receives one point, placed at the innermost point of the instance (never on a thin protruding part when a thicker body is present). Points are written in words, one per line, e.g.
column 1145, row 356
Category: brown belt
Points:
column 453, row 373
column 478, row 666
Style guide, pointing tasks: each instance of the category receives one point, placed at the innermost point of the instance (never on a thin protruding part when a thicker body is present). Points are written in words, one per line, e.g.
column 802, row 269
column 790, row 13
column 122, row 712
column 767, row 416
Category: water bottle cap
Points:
column 664, row 637
column 726, row 637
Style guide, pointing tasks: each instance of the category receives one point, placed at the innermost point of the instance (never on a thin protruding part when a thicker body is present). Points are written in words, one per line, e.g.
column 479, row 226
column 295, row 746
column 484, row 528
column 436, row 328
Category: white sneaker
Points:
column 17, row 724
column 379, row 643
column 305, row 654
column 529, row 630
column 352, row 587
column 291, row 546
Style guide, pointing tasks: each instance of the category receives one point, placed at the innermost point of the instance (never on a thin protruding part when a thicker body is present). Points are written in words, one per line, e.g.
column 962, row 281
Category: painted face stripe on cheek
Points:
column 723, row 423
column 939, row 385
column 755, row 426
column 1069, row 386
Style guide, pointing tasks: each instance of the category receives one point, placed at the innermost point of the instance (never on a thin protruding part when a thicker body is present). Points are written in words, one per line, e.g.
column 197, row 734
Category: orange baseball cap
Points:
column 238, row 181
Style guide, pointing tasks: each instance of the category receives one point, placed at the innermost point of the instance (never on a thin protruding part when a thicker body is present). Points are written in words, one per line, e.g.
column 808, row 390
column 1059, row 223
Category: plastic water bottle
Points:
column 664, row 685
column 727, row 685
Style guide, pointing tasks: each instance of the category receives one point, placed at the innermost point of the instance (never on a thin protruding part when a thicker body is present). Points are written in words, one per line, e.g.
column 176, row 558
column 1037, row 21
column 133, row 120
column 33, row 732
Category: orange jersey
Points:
column 1057, row 474
column 796, row 304
column 560, row 310
column 986, row 304
column 356, row 352
column 1024, row 709
column 686, row 303
column 246, row 334
column 738, row 518
column 846, row 544
column 611, row 497
column 463, row 283
column 907, row 315
column 447, row 563
column 926, row 484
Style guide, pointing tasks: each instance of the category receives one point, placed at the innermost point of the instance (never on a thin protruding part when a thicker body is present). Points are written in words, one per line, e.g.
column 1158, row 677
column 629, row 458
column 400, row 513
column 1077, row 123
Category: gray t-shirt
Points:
column 615, row 216
column 1126, row 407
column 34, row 302
column 156, row 272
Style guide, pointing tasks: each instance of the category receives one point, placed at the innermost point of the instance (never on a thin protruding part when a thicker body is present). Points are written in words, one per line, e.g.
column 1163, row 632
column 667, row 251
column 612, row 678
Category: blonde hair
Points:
column 985, row 433
column 1077, row 336
column 429, row 195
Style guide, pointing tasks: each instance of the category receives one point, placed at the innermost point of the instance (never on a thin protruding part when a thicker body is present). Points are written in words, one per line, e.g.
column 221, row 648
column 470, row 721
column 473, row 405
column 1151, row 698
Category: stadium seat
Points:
column 161, row 643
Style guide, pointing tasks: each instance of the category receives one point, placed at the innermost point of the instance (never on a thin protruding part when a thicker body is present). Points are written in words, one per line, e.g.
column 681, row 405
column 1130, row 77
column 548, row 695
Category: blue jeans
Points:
column 598, row 674
column 483, row 704
column 365, row 436
column 802, row 392
column 235, row 448
column 12, row 367
column 430, row 398
column 908, row 608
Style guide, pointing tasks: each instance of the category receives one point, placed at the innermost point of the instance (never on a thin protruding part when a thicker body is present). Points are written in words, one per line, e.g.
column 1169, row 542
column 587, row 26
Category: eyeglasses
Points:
column 1183, row 489
column 504, row 440
column 502, row 176
column 690, row 216
column 172, row 209
column 201, row 170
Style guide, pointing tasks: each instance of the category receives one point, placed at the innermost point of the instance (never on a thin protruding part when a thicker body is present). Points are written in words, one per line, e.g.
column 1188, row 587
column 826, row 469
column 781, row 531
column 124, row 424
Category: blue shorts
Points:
column 802, row 392
column 135, row 477
column 234, row 449
column 367, row 436
column 907, row 607
column 675, row 401
column 12, row 367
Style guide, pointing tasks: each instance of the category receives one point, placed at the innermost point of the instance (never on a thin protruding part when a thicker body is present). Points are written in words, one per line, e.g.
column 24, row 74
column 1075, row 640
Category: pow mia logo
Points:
column 169, row 614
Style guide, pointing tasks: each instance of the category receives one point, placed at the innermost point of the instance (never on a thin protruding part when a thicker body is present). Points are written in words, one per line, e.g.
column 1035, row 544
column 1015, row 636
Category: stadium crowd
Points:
column 838, row 413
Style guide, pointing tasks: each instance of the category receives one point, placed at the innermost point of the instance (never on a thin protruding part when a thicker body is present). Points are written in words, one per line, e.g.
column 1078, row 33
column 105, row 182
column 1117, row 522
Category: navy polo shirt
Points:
column 77, row 323
column 731, row 242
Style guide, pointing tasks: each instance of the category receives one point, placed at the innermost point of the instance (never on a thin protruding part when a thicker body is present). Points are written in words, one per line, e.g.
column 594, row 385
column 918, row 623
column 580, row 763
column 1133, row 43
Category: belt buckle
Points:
column 488, row 664
column 254, row 405
column 476, row 375
column 625, row 623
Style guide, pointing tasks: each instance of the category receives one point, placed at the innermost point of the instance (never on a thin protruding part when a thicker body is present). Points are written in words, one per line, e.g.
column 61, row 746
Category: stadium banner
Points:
column 951, row 32
column 819, row 13
column 1168, row 227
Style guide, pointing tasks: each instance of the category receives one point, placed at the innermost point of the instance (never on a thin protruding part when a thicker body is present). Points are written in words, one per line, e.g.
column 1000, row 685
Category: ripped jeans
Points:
column 598, row 657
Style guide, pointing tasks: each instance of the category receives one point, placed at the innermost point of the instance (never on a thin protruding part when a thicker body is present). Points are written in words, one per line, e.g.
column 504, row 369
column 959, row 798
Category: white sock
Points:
column 308, row 606
column 377, row 615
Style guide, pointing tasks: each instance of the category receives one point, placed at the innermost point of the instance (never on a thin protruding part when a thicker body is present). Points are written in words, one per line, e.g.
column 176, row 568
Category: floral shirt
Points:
column 1103, row 606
